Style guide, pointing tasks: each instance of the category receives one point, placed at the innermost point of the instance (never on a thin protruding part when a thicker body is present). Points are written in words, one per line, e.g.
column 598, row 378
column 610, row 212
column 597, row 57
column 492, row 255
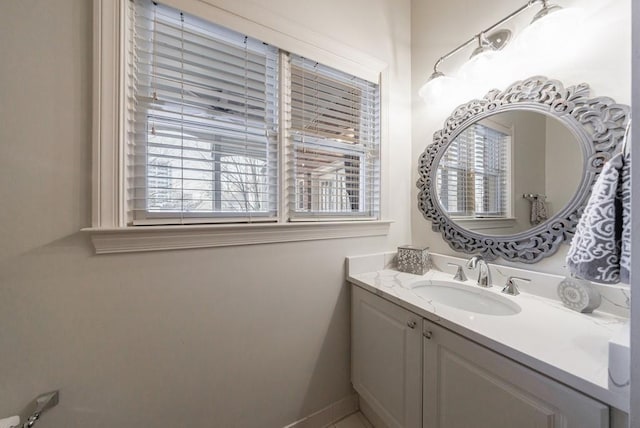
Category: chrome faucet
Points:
column 484, row 279
column 41, row 403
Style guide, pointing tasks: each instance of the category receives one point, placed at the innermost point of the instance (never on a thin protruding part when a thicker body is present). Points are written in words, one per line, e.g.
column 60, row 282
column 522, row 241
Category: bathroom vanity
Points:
column 473, row 357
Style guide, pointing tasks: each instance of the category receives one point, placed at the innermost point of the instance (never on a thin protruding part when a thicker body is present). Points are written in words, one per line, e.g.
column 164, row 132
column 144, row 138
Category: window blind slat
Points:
column 304, row 110
column 196, row 151
column 198, row 67
column 198, row 103
column 167, row 21
column 171, row 76
column 147, row 38
column 201, row 125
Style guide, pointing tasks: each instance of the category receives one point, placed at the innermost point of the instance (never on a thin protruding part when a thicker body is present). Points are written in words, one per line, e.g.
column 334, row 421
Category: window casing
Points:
column 112, row 225
column 208, row 120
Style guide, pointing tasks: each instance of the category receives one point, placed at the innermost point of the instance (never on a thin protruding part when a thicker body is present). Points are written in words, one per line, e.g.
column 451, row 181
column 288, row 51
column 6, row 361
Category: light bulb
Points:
column 436, row 87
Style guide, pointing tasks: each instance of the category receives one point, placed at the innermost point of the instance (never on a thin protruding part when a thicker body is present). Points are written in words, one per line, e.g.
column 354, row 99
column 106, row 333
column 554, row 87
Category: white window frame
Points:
column 110, row 231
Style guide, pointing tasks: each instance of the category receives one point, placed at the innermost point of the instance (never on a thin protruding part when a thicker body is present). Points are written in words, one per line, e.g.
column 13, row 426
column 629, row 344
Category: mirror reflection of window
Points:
column 473, row 175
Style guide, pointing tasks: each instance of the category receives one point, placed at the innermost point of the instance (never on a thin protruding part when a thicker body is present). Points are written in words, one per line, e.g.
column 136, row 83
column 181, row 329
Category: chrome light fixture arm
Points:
column 478, row 36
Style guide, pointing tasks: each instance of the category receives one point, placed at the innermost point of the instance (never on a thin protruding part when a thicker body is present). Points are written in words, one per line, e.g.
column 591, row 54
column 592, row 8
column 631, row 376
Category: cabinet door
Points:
column 466, row 385
column 386, row 359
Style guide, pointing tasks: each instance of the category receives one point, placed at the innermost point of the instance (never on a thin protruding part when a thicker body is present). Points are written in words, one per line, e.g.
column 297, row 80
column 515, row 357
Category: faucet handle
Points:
column 473, row 261
column 459, row 275
column 511, row 288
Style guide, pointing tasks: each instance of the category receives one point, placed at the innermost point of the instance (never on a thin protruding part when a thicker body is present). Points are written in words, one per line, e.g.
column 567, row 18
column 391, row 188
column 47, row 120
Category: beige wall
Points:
column 601, row 57
column 252, row 336
column 528, row 174
column 562, row 173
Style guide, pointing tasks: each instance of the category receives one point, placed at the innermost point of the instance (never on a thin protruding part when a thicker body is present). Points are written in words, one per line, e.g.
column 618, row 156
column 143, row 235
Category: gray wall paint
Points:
column 252, row 336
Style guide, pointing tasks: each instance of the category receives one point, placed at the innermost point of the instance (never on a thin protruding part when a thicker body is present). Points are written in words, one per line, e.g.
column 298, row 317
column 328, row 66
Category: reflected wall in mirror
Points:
column 509, row 172
column 509, row 175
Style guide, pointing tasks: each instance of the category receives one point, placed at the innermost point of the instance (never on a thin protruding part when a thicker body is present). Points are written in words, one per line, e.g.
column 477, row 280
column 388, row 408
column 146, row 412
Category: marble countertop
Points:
column 567, row 346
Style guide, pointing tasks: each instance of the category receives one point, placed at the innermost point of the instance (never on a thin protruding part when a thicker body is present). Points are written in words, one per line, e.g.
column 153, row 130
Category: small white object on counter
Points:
column 10, row 422
column 579, row 295
column 620, row 361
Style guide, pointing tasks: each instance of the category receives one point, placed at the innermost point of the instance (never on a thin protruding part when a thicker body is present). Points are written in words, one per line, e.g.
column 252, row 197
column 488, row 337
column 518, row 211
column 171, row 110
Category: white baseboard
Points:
column 329, row 415
column 371, row 415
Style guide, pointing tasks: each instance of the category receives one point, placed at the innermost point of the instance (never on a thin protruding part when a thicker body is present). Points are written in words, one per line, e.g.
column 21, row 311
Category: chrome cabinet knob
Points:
column 427, row 334
column 411, row 324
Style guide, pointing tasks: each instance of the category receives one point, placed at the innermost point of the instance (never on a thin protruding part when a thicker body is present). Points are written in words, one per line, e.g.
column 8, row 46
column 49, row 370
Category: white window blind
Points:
column 333, row 143
column 203, row 121
column 472, row 177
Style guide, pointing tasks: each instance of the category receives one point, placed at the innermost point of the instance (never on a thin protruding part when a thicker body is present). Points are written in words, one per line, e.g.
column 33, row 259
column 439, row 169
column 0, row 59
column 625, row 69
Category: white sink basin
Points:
column 465, row 298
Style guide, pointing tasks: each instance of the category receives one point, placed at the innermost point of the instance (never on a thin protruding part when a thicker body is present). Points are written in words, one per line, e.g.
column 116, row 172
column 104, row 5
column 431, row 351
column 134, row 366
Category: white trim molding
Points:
column 330, row 414
column 108, row 110
column 158, row 238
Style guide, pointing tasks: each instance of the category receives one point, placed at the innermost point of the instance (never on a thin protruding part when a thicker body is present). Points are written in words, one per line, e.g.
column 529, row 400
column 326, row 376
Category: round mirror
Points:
column 509, row 172
column 509, row 175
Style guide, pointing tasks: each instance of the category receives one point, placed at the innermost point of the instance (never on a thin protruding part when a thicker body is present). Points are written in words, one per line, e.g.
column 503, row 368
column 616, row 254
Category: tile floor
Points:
column 357, row 420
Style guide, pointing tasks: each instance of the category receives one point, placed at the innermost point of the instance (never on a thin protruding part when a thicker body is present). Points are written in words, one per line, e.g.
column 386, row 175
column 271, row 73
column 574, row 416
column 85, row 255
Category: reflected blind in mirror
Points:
column 203, row 121
column 472, row 177
column 333, row 141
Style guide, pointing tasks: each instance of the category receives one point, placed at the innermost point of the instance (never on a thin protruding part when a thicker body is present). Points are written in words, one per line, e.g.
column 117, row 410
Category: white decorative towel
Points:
column 601, row 247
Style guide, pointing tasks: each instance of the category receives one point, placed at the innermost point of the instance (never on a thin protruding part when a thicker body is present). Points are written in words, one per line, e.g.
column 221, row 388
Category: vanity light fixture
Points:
column 491, row 41
column 435, row 75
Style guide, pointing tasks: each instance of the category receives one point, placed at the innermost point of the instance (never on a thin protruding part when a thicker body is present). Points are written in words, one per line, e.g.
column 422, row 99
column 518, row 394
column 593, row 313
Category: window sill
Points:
column 158, row 238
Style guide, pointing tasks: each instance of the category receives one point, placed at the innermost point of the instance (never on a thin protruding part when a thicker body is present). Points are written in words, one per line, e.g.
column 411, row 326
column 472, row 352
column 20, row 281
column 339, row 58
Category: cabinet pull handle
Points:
column 427, row 334
column 411, row 324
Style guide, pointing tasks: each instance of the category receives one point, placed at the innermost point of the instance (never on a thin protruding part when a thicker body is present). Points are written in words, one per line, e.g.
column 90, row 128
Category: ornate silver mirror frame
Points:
column 598, row 124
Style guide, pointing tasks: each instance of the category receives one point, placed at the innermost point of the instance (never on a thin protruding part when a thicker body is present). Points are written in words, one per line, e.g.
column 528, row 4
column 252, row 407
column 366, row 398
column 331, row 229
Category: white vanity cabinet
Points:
column 467, row 385
column 413, row 373
column 386, row 356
